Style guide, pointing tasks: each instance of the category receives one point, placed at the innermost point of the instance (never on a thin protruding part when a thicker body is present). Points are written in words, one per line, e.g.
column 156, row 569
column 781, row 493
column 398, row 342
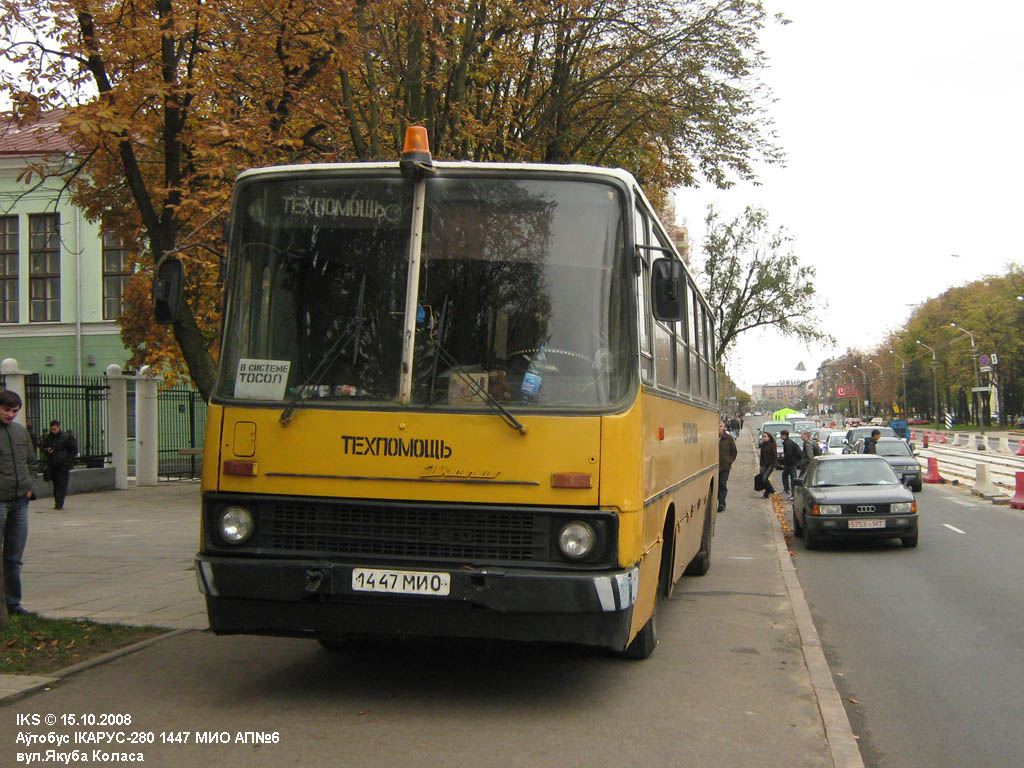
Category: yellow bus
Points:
column 446, row 406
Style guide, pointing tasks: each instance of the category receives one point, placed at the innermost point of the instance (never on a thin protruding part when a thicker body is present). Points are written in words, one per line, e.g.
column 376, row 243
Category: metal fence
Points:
column 79, row 404
column 181, row 419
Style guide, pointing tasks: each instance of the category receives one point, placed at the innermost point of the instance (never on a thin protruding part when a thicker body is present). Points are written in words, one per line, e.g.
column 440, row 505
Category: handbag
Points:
column 758, row 482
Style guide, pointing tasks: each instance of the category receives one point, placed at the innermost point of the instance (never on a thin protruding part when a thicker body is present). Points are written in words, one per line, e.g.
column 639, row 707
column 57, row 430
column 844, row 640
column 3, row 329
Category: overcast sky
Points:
column 903, row 122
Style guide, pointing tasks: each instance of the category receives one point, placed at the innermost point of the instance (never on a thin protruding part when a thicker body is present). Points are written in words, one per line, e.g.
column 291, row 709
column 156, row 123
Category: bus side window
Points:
column 640, row 231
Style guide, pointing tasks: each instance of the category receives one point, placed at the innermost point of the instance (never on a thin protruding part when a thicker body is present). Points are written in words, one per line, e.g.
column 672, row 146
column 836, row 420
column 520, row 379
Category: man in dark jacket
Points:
column 59, row 449
column 869, row 442
column 726, row 456
column 791, row 456
column 16, row 456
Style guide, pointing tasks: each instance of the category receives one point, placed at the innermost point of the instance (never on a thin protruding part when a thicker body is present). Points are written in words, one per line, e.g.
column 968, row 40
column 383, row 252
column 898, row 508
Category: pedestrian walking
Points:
column 811, row 449
column 768, row 457
column 791, row 456
column 59, row 450
column 870, row 442
column 16, row 458
column 726, row 456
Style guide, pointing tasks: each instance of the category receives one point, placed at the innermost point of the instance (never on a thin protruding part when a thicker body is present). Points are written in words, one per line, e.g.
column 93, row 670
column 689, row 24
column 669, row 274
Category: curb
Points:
column 40, row 682
column 842, row 744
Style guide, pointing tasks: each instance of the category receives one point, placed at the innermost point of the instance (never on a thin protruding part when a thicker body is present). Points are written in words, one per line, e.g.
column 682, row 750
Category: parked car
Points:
column 774, row 427
column 878, row 421
column 820, row 436
column 859, row 433
column 857, row 496
column 800, row 426
column 914, row 422
column 901, row 458
column 836, row 443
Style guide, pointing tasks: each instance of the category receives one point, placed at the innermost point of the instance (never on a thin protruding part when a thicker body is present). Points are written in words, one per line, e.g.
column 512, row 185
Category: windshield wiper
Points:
column 350, row 331
column 490, row 399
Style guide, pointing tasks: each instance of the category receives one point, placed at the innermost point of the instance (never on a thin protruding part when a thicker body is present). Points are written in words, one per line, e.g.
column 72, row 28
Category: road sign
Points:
column 984, row 360
column 981, row 389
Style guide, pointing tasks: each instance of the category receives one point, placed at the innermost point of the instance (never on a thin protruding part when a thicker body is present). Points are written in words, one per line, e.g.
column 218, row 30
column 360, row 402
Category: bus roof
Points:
column 616, row 173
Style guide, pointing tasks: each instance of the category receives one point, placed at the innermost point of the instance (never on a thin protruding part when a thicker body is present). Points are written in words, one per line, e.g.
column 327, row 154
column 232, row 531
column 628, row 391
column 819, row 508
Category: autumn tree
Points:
column 753, row 279
column 988, row 310
column 170, row 99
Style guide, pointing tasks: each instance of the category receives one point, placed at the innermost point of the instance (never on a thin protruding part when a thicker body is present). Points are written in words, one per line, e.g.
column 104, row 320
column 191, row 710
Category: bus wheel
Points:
column 334, row 642
column 701, row 562
column 646, row 639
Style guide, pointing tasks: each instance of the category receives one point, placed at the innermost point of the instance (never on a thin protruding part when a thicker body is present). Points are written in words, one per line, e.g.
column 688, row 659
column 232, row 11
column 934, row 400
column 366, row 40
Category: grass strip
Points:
column 36, row 645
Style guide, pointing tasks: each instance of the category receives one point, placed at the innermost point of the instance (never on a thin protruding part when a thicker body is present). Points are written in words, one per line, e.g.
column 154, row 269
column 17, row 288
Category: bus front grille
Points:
column 406, row 531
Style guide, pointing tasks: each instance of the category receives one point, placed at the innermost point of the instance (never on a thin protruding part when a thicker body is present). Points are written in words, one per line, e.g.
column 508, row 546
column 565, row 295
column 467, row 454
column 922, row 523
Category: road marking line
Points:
column 962, row 502
column 953, row 528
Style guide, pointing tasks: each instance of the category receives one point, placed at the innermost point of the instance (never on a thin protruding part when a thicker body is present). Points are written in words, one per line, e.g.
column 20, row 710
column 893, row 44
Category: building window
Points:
column 44, row 268
column 8, row 269
column 115, row 274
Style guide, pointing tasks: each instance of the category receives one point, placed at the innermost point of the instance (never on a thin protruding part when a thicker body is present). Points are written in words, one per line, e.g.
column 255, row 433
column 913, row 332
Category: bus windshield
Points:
column 523, row 292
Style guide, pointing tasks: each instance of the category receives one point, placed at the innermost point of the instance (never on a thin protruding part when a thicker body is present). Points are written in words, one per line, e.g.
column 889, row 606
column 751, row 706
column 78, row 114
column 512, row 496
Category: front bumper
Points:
column 303, row 597
column 897, row 525
column 910, row 476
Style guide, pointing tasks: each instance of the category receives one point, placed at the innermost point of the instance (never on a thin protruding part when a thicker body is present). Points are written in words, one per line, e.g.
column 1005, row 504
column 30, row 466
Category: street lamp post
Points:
column 839, row 378
column 935, row 381
column 881, row 373
column 903, row 370
column 977, row 373
column 865, row 386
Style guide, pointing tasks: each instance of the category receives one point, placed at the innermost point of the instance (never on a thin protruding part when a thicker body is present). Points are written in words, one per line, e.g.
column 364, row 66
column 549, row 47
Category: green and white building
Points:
column 61, row 276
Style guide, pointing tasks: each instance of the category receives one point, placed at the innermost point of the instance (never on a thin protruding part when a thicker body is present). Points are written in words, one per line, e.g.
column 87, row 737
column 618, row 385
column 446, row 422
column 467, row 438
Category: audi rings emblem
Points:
column 865, row 509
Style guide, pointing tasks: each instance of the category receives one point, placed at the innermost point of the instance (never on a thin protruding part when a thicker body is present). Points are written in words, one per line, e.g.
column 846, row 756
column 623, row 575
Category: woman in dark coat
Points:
column 769, row 455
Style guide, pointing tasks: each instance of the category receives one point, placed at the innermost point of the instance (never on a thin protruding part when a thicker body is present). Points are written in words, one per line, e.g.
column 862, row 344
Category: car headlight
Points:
column 902, row 508
column 576, row 540
column 235, row 524
column 828, row 509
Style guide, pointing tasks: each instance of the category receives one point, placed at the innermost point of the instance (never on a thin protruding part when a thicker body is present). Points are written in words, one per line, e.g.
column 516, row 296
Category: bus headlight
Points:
column 235, row 524
column 576, row 540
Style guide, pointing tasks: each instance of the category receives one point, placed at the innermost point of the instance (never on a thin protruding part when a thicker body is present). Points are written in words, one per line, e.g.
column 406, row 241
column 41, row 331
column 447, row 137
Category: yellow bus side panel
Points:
column 211, row 448
column 621, row 482
column 679, row 473
column 422, row 456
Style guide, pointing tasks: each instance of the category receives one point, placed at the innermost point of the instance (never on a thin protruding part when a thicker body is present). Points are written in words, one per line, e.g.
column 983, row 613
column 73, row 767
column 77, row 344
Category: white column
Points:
column 14, row 380
column 117, row 424
column 146, row 453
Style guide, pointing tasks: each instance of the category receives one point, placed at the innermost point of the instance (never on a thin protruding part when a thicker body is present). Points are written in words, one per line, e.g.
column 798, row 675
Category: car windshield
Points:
column 866, row 471
column 894, row 448
column 836, row 440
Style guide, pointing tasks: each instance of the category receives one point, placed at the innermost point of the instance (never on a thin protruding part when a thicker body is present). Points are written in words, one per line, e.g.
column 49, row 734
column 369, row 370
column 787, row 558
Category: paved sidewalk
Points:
column 127, row 556
column 117, row 556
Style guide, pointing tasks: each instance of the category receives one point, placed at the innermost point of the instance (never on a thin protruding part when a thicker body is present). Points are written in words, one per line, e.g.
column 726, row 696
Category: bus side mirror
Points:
column 667, row 289
column 168, row 280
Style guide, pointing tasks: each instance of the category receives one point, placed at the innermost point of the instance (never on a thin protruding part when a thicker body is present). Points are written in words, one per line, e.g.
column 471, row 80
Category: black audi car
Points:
column 901, row 458
column 856, row 496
